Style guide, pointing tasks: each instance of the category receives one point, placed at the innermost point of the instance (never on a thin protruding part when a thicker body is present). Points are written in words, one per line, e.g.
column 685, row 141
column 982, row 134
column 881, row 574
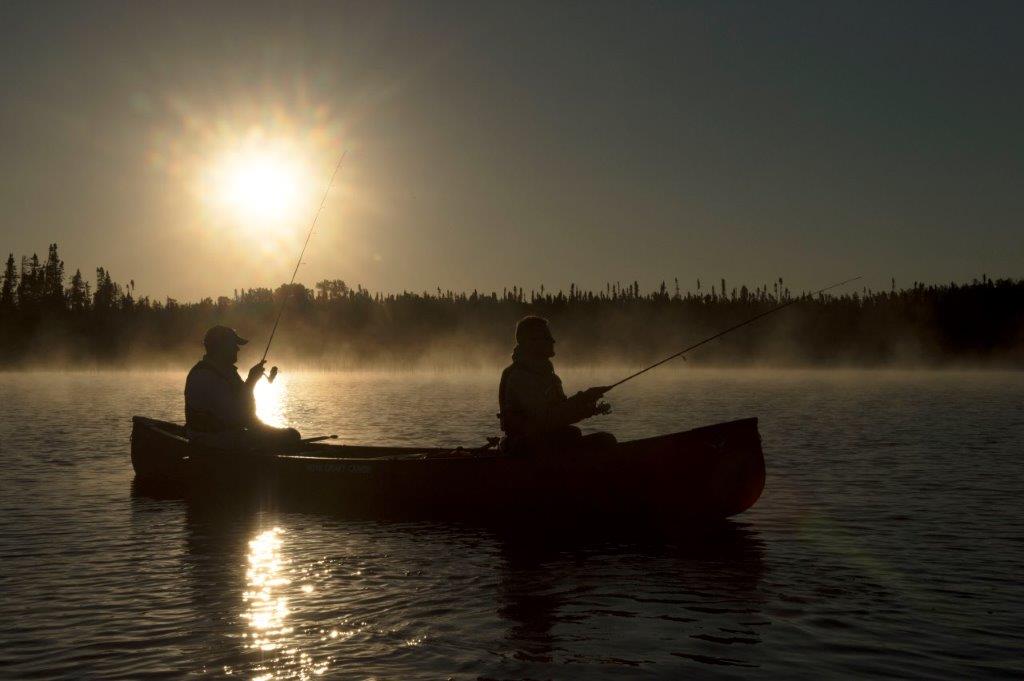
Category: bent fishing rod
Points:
column 287, row 293
column 753, row 319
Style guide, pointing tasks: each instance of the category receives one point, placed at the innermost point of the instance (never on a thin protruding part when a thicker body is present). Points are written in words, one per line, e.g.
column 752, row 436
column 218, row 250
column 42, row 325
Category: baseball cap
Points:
column 222, row 335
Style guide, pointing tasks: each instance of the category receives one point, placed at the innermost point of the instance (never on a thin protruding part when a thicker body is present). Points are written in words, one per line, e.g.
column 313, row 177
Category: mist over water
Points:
column 888, row 541
column 976, row 324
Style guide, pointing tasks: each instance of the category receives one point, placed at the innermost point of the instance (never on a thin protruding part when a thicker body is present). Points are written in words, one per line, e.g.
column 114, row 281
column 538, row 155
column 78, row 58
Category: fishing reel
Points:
column 272, row 375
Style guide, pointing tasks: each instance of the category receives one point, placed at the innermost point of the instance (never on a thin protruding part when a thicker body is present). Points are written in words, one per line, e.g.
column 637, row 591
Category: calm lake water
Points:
column 889, row 542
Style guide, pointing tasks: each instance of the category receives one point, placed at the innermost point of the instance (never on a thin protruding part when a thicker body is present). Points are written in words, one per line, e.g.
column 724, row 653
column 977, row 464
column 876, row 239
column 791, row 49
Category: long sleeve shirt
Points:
column 217, row 399
column 533, row 402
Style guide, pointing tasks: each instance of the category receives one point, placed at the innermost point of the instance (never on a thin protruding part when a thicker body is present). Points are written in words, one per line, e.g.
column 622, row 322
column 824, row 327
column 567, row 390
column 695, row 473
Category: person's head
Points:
column 222, row 344
column 533, row 335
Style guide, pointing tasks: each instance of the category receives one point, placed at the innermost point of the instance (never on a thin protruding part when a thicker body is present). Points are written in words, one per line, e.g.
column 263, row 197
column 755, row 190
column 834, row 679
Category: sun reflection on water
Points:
column 270, row 398
column 266, row 598
column 268, row 607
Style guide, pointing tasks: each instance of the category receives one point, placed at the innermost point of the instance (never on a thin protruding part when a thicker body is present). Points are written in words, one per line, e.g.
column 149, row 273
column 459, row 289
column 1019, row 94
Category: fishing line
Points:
column 284, row 298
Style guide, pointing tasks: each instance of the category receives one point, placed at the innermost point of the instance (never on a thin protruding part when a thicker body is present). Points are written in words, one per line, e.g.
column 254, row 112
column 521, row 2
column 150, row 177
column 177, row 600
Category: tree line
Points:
column 48, row 317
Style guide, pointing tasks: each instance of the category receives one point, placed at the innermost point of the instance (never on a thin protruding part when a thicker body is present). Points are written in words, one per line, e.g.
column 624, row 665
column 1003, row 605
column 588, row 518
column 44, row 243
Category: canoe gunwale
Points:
column 164, row 428
column 712, row 471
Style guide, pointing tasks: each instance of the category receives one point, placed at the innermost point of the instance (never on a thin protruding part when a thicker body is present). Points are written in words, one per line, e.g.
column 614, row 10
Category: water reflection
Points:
column 302, row 596
column 86, row 594
column 266, row 596
column 270, row 399
column 529, row 600
column 268, row 607
column 245, row 586
column 561, row 595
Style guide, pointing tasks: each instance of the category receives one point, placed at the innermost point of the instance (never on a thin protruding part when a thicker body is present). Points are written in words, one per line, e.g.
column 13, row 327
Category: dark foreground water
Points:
column 889, row 542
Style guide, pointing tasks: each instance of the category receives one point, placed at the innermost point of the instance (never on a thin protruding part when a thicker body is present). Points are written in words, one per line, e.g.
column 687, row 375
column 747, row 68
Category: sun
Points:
column 260, row 186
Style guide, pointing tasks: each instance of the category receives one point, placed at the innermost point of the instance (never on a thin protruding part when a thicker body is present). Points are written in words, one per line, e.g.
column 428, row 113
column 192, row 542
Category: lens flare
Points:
column 263, row 186
column 247, row 174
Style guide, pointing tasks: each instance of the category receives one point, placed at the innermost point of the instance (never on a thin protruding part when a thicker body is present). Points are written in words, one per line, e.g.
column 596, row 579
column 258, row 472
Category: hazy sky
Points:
column 493, row 144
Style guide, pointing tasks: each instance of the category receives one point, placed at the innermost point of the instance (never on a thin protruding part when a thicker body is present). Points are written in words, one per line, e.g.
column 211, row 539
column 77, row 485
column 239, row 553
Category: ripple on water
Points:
column 888, row 543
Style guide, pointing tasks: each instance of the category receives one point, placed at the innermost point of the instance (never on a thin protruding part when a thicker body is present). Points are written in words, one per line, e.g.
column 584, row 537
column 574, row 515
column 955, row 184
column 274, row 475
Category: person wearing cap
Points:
column 535, row 412
column 220, row 410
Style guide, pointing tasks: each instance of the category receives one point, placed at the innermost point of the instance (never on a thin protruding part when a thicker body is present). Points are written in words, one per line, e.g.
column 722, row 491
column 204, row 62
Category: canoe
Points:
column 706, row 473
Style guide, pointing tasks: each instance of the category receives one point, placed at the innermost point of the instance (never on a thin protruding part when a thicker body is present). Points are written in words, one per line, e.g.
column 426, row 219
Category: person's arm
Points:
column 255, row 374
column 577, row 408
column 543, row 412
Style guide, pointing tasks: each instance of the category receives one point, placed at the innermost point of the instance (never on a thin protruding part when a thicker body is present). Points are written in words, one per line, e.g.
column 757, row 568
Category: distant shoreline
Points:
column 47, row 319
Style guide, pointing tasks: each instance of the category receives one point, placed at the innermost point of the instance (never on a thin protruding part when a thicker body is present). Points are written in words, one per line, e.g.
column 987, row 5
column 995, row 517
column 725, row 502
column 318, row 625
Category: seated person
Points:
column 220, row 410
column 535, row 413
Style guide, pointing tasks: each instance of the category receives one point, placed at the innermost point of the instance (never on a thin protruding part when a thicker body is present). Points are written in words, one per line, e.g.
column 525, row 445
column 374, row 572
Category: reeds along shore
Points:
column 49, row 317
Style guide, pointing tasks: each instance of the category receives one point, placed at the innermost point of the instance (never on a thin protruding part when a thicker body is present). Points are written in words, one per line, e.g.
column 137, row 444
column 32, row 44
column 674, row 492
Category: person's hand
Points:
column 256, row 373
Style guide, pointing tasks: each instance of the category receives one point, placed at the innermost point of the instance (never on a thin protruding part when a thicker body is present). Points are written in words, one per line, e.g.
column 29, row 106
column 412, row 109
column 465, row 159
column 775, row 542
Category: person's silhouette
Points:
column 220, row 410
column 535, row 413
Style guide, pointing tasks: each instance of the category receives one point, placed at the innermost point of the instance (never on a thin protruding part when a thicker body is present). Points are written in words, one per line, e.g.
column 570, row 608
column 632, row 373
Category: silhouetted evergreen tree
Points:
column 78, row 293
column 52, row 289
column 30, row 284
column 107, row 294
column 10, row 284
column 982, row 320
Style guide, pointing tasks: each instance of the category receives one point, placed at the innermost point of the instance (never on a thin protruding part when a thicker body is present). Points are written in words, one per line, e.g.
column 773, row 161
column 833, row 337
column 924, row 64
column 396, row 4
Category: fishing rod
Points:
column 284, row 298
column 722, row 333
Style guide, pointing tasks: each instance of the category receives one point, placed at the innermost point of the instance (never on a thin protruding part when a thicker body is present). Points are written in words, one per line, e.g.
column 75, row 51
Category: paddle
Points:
column 318, row 438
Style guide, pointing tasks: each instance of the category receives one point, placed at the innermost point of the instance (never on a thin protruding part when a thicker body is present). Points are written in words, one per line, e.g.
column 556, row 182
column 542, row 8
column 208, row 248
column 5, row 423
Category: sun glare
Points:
column 262, row 186
column 254, row 173
column 270, row 400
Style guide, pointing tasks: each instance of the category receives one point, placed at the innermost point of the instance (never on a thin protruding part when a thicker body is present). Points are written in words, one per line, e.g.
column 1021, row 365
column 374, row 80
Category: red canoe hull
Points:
column 707, row 473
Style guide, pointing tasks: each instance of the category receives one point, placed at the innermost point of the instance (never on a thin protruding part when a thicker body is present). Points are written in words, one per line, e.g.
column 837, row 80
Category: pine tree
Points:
column 10, row 284
column 30, row 283
column 52, row 289
column 107, row 292
column 77, row 294
column 98, row 300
